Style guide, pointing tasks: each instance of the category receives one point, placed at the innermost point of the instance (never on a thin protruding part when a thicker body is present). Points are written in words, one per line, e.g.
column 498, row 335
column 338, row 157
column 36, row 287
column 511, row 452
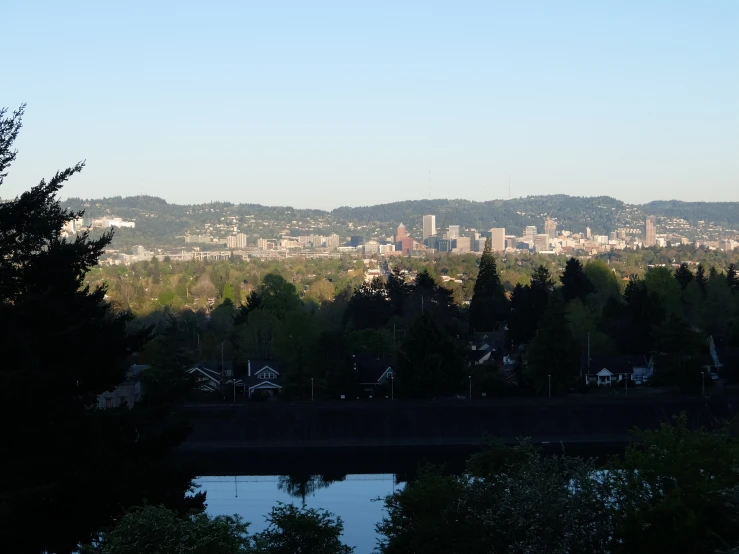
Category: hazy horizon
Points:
column 327, row 105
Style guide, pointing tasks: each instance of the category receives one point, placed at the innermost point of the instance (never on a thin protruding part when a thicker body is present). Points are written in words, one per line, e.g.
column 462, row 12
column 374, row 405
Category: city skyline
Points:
column 318, row 105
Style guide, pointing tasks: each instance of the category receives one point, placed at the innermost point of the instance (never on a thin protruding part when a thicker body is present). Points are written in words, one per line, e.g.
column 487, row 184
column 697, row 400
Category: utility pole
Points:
column 470, row 378
column 550, row 385
column 703, row 383
column 392, row 386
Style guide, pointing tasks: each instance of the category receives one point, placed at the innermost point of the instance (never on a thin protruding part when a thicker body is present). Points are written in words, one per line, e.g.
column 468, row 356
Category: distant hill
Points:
column 725, row 214
column 576, row 213
column 159, row 222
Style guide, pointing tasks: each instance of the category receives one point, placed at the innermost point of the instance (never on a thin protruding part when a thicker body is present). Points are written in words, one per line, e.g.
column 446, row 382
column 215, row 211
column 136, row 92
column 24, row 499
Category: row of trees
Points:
column 674, row 490
column 553, row 325
column 157, row 530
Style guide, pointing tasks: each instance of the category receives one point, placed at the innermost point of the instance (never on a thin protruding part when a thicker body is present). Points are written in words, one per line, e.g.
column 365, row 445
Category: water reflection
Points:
column 350, row 496
column 301, row 486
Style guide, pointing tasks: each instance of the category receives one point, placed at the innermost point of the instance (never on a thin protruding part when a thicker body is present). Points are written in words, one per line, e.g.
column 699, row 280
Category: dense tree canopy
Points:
column 64, row 345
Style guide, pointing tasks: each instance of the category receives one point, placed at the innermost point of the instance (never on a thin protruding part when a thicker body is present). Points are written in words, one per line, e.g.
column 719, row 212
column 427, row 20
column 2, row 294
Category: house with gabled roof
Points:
column 372, row 371
column 605, row 370
column 206, row 380
column 263, row 377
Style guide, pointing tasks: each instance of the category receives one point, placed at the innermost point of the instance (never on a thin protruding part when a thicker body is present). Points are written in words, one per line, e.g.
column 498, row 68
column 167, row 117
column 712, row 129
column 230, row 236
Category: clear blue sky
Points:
column 318, row 104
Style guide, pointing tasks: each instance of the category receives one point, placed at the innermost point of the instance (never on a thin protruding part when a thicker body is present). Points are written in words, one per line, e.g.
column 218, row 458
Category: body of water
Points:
column 353, row 497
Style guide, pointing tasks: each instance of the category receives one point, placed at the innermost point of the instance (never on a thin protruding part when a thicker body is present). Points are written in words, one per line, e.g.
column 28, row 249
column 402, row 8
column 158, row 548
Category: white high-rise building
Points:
column 529, row 233
column 453, row 232
column 429, row 226
column 497, row 239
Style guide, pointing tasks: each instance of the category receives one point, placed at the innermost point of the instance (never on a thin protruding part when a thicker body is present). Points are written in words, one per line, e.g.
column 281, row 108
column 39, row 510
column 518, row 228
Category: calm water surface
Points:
column 252, row 497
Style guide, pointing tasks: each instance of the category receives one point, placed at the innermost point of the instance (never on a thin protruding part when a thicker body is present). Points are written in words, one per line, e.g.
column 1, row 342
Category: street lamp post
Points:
column 392, row 386
column 703, row 383
column 470, row 378
column 311, row 389
column 550, row 385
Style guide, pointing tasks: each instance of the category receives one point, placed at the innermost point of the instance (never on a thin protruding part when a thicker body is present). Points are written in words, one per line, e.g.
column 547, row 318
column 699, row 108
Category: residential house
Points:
column 478, row 357
column 373, row 372
column 209, row 380
column 125, row 394
column 263, row 377
column 206, row 380
column 605, row 370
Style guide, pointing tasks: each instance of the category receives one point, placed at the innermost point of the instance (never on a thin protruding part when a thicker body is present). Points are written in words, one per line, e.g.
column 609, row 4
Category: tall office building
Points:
column 453, row 232
column 464, row 244
column 333, row 241
column 497, row 239
column 429, row 226
column 529, row 233
column 550, row 227
column 588, row 233
column 402, row 233
column 541, row 242
column 241, row 240
column 650, row 231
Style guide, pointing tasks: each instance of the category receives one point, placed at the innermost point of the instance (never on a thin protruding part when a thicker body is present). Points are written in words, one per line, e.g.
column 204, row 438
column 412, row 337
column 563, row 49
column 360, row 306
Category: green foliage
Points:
column 605, row 284
column 661, row 282
column 278, row 296
column 429, row 363
column 672, row 490
column 157, row 530
column 675, row 490
column 293, row 530
column 575, row 283
column 47, row 312
column 517, row 502
column 553, row 351
column 228, row 293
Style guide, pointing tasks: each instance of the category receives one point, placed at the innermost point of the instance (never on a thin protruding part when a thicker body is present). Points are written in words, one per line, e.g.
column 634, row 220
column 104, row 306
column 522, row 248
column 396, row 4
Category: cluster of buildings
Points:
column 77, row 225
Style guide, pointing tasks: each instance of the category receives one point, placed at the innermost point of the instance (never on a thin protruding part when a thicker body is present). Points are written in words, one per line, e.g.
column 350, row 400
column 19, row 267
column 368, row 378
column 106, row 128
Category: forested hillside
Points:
column 725, row 214
column 163, row 224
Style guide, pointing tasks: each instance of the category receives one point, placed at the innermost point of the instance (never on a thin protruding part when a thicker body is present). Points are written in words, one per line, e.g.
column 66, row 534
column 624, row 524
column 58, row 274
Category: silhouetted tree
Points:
column 253, row 302
column 63, row 346
column 683, row 275
column 528, row 304
column 575, row 284
column 732, row 280
column 701, row 278
column 489, row 305
column 553, row 351
column 429, row 362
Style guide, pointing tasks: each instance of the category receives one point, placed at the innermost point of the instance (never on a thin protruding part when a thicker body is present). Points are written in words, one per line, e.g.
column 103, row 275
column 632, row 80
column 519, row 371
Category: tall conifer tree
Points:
column 489, row 305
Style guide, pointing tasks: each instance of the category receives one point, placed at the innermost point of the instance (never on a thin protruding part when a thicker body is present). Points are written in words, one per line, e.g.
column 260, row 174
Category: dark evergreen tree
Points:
column 732, row 280
column 489, row 305
column 683, row 275
column 429, row 363
column 528, row 304
column 701, row 278
column 553, row 351
column 253, row 302
column 63, row 346
column 521, row 326
column 575, row 284
column 368, row 307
